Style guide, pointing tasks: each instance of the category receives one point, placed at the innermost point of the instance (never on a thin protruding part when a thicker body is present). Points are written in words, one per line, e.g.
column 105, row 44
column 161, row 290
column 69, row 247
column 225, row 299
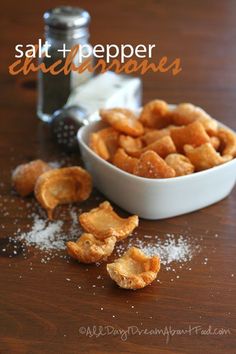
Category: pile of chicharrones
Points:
column 103, row 228
column 163, row 142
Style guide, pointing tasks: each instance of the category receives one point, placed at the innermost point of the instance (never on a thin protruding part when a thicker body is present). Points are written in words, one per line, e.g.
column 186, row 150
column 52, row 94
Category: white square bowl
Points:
column 156, row 198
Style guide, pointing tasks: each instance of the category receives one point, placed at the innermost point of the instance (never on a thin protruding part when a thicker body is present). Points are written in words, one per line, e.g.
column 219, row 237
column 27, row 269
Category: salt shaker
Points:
column 65, row 27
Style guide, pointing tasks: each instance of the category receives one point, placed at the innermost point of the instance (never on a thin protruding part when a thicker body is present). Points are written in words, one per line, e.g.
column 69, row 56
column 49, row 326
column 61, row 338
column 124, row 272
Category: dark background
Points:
column 41, row 312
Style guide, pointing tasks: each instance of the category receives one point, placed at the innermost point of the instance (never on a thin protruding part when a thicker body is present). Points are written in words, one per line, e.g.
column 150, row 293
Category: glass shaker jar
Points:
column 65, row 27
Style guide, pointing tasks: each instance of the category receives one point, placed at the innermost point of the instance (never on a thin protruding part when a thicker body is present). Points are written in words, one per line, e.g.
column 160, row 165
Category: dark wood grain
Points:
column 42, row 312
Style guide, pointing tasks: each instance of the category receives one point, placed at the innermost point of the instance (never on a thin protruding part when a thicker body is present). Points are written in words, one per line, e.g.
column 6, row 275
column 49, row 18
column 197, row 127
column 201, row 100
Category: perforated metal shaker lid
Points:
column 66, row 17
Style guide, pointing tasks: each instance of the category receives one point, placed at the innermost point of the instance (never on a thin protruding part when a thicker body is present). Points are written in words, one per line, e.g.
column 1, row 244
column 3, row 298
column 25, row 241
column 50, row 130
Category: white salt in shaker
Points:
column 107, row 90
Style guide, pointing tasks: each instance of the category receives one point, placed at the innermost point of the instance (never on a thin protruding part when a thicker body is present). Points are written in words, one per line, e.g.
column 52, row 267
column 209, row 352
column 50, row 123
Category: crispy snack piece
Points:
column 186, row 113
column 151, row 165
column 134, row 270
column 228, row 140
column 98, row 145
column 103, row 222
column 215, row 142
column 62, row 186
column 205, row 156
column 192, row 134
column 155, row 114
column 180, row 163
column 152, row 135
column 130, row 144
column 24, row 176
column 124, row 161
column 88, row 249
column 163, row 147
column 123, row 120
column 104, row 142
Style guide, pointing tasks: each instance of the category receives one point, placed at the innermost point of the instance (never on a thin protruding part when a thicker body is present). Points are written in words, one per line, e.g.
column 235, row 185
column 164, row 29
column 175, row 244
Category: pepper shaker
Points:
column 65, row 26
column 108, row 90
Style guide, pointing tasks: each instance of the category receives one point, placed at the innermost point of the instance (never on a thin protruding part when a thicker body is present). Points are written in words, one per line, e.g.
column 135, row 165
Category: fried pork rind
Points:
column 151, row 165
column 228, row 140
column 205, row 156
column 123, row 120
column 180, row 163
column 103, row 222
column 215, row 142
column 192, row 134
column 134, row 270
column 98, row 146
column 155, row 114
column 104, row 142
column 88, row 249
column 163, row 147
column 62, row 186
column 124, row 161
column 130, row 144
column 186, row 113
column 25, row 176
column 152, row 135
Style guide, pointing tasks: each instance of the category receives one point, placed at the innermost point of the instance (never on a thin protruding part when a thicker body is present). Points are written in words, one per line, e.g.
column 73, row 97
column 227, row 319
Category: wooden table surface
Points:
column 45, row 306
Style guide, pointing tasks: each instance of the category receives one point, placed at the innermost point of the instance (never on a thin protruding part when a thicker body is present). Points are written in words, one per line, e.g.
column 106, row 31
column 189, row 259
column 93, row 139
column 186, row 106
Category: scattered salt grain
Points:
column 147, row 236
